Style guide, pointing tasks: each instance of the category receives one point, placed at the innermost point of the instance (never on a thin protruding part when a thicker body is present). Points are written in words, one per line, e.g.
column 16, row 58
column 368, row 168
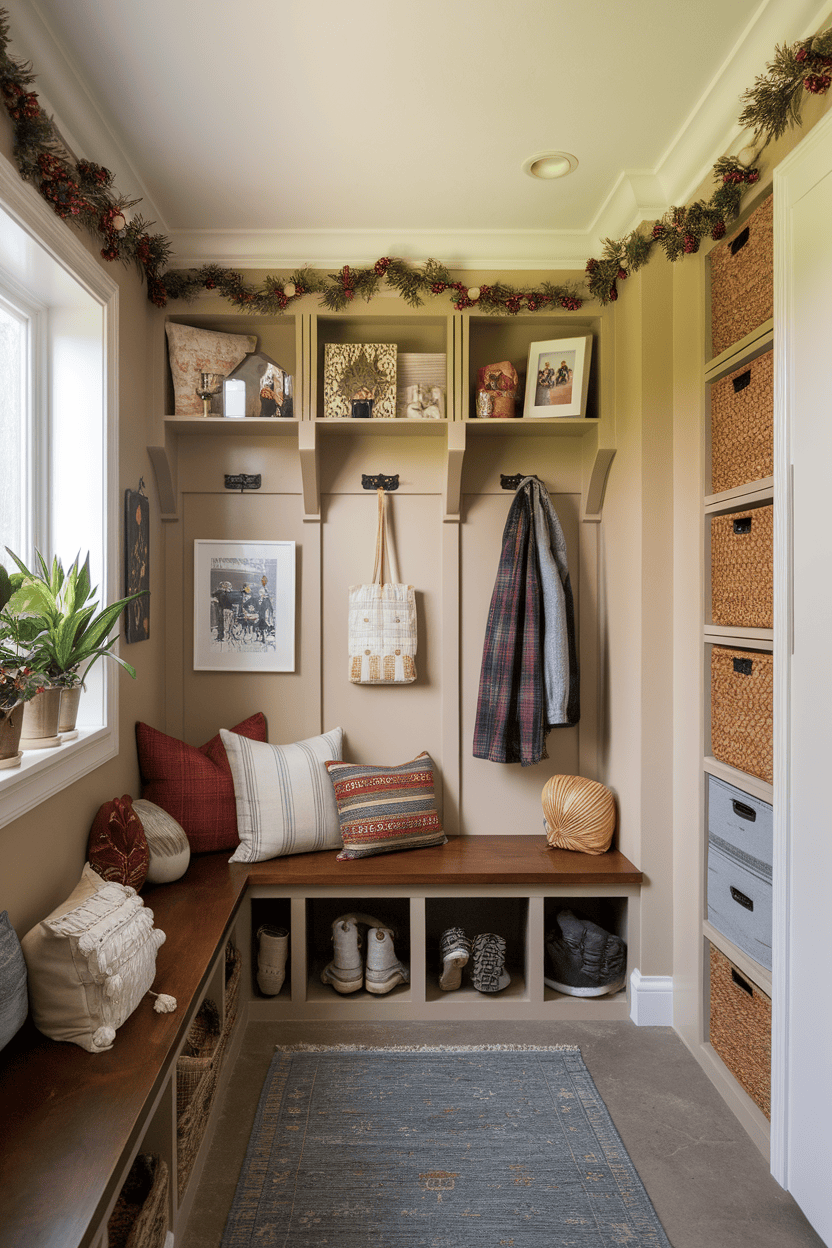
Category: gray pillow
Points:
column 14, row 1000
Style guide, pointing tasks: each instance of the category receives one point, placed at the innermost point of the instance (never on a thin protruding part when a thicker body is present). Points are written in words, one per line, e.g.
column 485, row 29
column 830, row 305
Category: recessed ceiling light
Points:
column 549, row 165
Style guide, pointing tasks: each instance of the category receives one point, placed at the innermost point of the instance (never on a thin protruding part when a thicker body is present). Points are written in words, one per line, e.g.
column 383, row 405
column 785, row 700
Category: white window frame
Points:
column 43, row 773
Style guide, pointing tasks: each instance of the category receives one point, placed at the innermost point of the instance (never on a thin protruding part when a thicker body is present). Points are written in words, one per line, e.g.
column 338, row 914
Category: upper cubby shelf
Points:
column 460, row 344
column 218, row 426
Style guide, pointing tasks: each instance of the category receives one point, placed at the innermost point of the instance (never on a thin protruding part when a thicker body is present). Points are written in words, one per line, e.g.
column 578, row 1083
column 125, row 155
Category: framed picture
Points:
column 360, row 380
column 558, row 377
column 244, row 606
column 136, row 564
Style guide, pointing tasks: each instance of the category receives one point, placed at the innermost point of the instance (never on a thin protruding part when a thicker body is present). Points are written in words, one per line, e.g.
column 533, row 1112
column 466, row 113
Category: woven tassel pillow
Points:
column 90, row 962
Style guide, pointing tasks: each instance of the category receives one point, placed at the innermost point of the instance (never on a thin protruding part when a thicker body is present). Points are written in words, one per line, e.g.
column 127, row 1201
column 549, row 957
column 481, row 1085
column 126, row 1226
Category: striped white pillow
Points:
column 285, row 801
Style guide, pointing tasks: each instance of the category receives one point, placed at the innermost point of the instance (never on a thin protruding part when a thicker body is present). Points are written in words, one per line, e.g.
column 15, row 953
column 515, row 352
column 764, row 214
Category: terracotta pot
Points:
column 40, row 720
column 69, row 712
column 11, row 723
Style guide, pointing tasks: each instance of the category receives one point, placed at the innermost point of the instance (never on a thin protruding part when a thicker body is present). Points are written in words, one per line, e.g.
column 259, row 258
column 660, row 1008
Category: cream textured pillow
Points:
column 90, row 962
column 192, row 351
column 285, row 802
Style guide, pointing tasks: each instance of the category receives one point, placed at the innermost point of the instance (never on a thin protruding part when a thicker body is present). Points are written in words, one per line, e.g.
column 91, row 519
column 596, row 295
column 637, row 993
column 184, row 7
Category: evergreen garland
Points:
column 84, row 191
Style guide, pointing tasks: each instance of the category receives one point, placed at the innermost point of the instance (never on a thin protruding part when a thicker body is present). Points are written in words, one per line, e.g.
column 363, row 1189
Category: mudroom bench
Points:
column 74, row 1121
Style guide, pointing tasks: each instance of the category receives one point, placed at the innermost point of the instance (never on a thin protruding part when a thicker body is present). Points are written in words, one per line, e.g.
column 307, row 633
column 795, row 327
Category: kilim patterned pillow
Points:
column 385, row 808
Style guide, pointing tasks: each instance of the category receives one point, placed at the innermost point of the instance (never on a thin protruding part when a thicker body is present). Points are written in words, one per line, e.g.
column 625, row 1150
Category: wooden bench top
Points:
column 69, row 1116
column 465, row 860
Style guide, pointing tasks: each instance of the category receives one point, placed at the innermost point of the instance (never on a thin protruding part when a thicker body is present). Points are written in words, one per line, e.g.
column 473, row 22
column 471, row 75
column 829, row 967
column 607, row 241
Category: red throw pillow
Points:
column 194, row 785
column 118, row 847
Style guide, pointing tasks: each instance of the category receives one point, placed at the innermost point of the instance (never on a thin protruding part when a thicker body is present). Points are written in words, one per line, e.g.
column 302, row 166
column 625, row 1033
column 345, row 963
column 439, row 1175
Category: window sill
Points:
column 43, row 773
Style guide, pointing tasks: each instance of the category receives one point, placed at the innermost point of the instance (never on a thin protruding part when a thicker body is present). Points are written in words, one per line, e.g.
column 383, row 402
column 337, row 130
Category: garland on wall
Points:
column 83, row 191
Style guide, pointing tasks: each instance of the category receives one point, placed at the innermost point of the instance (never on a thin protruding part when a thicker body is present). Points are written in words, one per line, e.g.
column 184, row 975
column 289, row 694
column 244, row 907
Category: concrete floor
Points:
column 708, row 1182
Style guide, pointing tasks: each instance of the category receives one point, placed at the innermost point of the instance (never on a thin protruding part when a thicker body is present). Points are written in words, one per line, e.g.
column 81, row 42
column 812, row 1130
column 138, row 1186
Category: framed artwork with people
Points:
column 557, row 379
column 244, row 606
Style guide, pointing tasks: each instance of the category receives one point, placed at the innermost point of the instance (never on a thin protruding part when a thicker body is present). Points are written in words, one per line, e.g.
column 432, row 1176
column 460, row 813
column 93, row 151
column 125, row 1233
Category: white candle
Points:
column 234, row 399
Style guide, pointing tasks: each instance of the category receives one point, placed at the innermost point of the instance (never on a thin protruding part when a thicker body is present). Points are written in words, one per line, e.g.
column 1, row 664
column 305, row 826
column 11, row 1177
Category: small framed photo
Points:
column 557, row 378
column 244, row 606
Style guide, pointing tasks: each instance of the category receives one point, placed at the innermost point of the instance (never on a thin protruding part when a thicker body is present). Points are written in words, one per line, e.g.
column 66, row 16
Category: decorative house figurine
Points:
column 258, row 387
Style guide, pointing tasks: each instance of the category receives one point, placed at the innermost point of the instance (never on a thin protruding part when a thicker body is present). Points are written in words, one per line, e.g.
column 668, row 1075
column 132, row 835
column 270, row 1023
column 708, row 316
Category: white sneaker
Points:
column 383, row 970
column 346, row 970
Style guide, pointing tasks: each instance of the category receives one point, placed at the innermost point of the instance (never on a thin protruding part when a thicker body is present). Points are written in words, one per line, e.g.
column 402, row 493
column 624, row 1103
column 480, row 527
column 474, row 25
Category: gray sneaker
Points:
column 586, row 960
column 489, row 970
column 455, row 950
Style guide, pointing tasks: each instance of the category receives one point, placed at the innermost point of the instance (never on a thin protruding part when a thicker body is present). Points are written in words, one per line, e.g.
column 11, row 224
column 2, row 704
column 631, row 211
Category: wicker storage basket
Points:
column 199, row 1065
column 742, row 568
column 740, row 1029
column 742, row 425
column 197, row 1073
column 742, row 692
column 742, row 286
column 140, row 1217
column 233, row 971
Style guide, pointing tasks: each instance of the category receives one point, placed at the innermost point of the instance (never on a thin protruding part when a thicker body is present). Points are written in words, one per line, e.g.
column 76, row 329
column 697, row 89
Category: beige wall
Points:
column 42, row 853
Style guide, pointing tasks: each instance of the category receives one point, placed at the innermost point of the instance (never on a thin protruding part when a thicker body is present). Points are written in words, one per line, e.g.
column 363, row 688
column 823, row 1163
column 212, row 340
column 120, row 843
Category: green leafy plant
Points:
column 52, row 619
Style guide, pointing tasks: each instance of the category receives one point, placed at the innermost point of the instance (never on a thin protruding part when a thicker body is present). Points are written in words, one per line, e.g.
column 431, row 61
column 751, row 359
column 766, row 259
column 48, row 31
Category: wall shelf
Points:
column 532, row 427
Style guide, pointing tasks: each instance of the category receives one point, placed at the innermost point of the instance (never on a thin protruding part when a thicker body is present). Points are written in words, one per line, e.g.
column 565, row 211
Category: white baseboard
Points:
column 651, row 1000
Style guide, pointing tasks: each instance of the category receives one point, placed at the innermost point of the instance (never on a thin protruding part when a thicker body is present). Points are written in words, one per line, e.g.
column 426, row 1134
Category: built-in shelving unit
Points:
column 743, row 497
column 467, row 341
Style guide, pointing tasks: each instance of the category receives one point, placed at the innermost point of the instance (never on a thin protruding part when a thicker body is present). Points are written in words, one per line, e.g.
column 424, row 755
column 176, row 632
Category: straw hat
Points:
column 580, row 814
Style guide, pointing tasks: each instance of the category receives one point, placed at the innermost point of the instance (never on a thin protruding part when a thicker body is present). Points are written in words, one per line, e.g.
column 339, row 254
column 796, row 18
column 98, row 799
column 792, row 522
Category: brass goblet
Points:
column 209, row 385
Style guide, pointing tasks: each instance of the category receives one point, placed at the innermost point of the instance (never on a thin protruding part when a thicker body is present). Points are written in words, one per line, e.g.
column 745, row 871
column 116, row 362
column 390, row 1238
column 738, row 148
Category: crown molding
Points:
column 458, row 249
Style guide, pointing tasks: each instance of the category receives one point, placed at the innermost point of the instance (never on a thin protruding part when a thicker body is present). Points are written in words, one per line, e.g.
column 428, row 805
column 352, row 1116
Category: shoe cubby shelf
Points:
column 467, row 341
column 511, row 886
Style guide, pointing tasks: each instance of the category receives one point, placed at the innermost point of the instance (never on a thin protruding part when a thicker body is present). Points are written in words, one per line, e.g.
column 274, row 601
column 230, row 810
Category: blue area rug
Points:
column 446, row 1148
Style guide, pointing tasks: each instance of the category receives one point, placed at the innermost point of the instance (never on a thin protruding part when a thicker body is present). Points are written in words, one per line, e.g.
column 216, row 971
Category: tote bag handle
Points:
column 381, row 567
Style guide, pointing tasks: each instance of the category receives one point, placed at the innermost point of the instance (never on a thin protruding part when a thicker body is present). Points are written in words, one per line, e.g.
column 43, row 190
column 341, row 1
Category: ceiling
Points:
column 279, row 132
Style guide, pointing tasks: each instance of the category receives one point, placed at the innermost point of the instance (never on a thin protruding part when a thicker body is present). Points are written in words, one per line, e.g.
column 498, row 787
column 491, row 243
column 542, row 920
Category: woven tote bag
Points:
column 382, row 622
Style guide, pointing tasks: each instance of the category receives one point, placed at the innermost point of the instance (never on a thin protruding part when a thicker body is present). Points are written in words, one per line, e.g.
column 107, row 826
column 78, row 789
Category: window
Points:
column 58, row 431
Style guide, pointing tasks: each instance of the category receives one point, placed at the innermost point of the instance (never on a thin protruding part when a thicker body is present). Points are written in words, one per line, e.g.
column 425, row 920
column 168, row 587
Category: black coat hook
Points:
column 512, row 483
column 379, row 482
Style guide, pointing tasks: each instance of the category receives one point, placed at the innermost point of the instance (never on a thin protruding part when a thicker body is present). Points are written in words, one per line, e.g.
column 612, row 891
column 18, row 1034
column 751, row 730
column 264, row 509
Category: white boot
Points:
column 383, row 970
column 272, row 948
column 346, row 970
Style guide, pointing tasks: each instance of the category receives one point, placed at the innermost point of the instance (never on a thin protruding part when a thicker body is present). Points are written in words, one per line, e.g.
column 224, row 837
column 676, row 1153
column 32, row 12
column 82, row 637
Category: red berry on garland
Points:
column 752, row 176
column 801, row 55
column 818, row 84
column 381, row 266
column 718, row 230
column 622, row 275
column 437, row 288
column 591, row 266
column 613, row 295
column 532, row 303
column 691, row 244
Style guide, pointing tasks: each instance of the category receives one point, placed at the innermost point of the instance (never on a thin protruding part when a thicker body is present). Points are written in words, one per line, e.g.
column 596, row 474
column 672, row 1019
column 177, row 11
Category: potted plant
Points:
column 18, row 685
column 52, row 616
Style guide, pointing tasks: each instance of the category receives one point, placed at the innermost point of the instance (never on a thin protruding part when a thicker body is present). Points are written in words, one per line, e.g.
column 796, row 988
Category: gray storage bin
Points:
column 737, row 821
column 739, row 901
